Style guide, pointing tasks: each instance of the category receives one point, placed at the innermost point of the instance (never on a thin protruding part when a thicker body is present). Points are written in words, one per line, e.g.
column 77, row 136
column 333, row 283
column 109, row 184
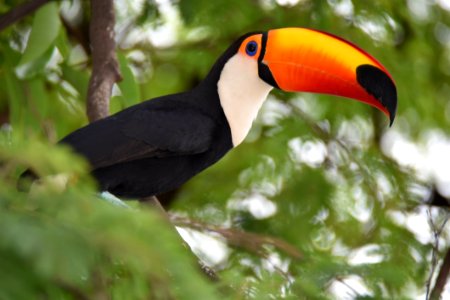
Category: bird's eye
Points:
column 251, row 48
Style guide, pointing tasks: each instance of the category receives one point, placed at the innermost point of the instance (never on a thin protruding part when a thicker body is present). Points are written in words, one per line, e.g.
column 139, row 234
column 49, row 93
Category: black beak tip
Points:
column 391, row 116
column 391, row 106
column 377, row 83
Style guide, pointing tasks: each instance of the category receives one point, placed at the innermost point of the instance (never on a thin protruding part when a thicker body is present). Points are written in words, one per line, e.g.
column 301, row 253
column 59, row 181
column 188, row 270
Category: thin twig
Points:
column 442, row 277
column 105, row 68
column 355, row 292
column 79, row 33
column 19, row 12
column 72, row 290
column 436, row 235
column 328, row 137
column 153, row 202
column 251, row 242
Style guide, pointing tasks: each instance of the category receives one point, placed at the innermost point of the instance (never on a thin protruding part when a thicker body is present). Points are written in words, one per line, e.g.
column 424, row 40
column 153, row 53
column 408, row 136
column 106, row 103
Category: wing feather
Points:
column 142, row 132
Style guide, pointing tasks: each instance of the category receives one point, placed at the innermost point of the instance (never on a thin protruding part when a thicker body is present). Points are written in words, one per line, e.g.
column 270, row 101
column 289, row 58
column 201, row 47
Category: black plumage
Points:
column 157, row 145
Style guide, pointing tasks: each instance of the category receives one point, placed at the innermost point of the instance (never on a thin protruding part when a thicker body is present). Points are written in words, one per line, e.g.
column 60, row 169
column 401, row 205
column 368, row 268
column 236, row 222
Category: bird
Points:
column 159, row 144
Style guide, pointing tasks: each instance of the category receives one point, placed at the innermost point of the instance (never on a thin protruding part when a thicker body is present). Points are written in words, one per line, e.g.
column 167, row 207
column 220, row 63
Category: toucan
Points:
column 157, row 145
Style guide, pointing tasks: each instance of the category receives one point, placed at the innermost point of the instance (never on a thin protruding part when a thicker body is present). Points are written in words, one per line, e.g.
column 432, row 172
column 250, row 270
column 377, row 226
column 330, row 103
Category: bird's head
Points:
column 297, row 60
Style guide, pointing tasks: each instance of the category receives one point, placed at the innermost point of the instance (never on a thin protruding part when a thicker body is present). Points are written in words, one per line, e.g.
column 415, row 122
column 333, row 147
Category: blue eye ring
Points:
column 251, row 48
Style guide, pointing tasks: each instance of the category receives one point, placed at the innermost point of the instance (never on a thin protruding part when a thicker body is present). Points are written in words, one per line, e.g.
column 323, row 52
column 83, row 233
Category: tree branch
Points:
column 152, row 201
column 19, row 12
column 252, row 242
column 105, row 68
column 436, row 230
column 442, row 278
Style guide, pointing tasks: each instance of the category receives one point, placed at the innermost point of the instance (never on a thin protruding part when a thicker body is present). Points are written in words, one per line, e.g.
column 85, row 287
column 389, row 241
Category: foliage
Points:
column 316, row 160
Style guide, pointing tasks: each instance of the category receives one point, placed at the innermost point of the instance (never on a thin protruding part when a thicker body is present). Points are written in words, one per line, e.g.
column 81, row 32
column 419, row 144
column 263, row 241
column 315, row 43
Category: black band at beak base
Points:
column 263, row 70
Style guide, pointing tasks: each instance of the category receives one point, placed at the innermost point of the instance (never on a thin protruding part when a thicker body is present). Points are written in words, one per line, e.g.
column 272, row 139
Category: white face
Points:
column 241, row 93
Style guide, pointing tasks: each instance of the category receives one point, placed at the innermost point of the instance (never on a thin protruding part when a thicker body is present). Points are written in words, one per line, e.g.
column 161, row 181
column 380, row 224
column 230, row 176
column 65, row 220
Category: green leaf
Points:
column 128, row 85
column 79, row 79
column 16, row 97
column 44, row 31
column 34, row 67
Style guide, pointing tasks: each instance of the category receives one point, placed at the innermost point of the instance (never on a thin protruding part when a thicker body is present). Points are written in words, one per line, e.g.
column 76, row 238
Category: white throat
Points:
column 241, row 93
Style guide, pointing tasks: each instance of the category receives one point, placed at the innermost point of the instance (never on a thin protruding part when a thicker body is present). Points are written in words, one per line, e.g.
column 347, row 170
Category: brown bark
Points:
column 252, row 242
column 105, row 68
column 19, row 12
column 442, row 278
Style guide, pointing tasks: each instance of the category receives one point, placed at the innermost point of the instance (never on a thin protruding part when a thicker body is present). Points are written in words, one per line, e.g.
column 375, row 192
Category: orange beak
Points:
column 305, row 60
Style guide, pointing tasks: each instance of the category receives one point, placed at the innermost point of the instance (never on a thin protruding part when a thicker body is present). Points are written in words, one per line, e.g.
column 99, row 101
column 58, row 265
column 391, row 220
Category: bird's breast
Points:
column 241, row 94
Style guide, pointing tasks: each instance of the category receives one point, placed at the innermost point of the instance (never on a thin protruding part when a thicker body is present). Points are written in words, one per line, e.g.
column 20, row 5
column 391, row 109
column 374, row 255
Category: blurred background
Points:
column 347, row 194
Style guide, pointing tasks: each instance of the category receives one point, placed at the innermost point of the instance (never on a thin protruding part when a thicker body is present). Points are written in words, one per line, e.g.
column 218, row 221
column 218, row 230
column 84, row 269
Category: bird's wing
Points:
column 142, row 133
